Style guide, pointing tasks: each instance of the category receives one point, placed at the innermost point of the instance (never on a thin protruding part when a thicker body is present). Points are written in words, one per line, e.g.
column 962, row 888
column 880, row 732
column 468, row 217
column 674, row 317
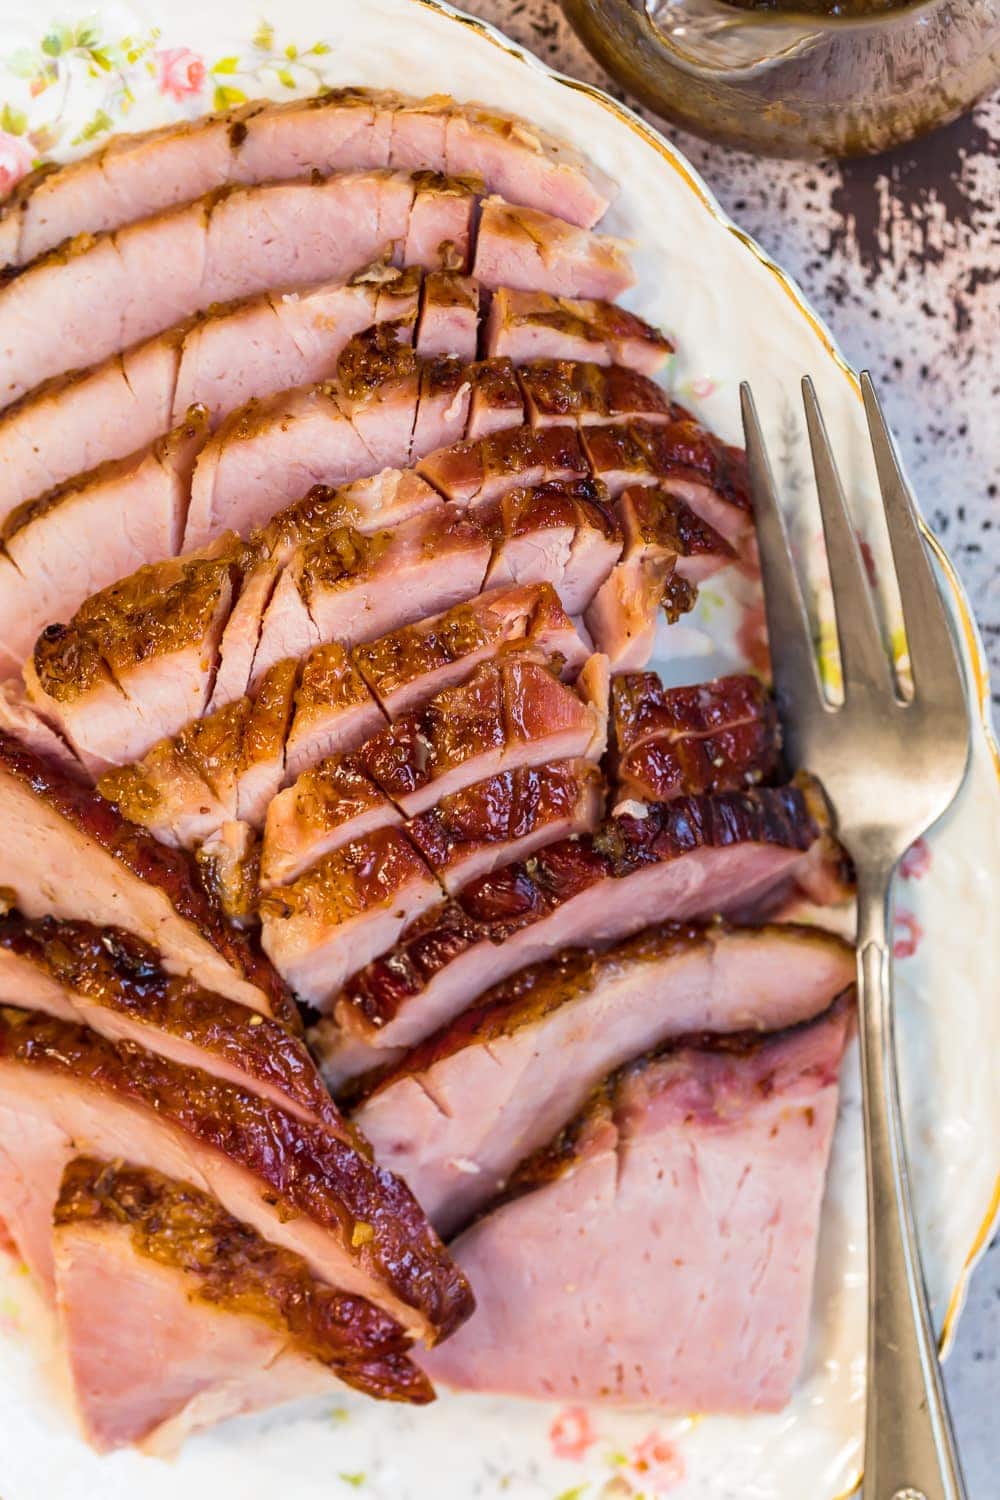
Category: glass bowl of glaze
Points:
column 801, row 78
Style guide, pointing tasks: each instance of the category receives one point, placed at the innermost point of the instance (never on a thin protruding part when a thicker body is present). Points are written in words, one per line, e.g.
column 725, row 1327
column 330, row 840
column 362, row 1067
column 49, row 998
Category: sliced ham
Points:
column 449, row 316
column 668, row 551
column 328, row 806
column 479, row 471
column 134, row 176
column 136, row 506
column 688, row 858
column 563, row 532
column 334, row 709
column 459, row 1112
column 716, row 736
column 506, row 817
column 687, row 1196
column 571, row 392
column 684, row 459
column 528, row 325
column 138, row 659
column 442, row 413
column 350, row 905
column 530, row 250
column 112, row 982
column 175, row 1316
column 240, row 243
column 65, row 1090
column 229, row 864
column 69, row 853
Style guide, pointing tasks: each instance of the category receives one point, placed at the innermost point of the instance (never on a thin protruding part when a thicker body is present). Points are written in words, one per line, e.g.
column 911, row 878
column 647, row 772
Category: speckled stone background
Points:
column 901, row 255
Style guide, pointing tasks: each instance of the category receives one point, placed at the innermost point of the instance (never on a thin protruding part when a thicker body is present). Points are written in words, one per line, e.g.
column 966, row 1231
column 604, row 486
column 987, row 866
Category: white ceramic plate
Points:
column 107, row 66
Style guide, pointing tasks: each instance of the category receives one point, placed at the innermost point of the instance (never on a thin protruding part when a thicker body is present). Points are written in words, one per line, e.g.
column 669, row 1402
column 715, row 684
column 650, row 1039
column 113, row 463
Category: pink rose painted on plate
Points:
column 658, row 1463
column 15, row 161
column 571, row 1433
column 908, row 933
column 180, row 72
column 916, row 862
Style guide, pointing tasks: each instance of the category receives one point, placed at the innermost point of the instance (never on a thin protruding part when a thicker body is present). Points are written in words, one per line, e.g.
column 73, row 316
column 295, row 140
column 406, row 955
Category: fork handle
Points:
column 910, row 1451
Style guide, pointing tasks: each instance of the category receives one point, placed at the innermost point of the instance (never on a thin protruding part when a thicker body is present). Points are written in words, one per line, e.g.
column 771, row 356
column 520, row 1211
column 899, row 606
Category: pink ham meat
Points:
column 449, row 316
column 238, row 243
column 510, row 713
column 222, row 768
column 684, row 459
column 69, row 854
column 134, row 176
column 529, row 250
column 716, row 736
column 111, row 981
column 65, row 1090
column 219, row 360
column 334, row 709
column 350, row 905
column 563, row 532
column 530, row 325
column 175, row 1316
column 567, row 392
column 687, row 1195
column 497, row 399
column 137, row 507
column 688, row 858
column 457, row 1114
column 668, row 551
column 480, row 470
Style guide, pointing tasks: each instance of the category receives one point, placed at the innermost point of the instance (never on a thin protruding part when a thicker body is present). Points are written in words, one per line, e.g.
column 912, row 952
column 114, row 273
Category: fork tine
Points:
column 933, row 657
column 793, row 659
column 863, row 656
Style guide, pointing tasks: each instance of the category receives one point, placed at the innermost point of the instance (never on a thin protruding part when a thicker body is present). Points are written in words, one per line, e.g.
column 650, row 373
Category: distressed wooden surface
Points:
column 901, row 255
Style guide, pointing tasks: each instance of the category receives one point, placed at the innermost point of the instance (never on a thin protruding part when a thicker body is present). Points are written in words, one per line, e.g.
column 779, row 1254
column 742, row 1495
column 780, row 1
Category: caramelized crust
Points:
column 494, row 908
column 230, row 1266
column 149, row 860
column 571, row 390
column 116, row 969
column 309, row 1170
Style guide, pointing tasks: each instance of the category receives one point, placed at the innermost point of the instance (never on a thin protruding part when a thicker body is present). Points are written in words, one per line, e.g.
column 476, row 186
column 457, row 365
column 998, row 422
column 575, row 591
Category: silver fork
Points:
column 890, row 767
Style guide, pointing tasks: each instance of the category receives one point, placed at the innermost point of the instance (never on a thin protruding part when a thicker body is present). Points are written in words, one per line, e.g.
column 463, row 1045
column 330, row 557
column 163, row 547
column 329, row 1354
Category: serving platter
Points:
column 65, row 83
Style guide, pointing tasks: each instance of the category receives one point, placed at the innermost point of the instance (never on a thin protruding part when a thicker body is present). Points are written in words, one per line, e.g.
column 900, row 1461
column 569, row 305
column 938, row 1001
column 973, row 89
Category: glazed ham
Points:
column 527, row 249
column 688, row 858
column 231, row 1323
column 134, row 176
column 481, row 470
column 529, row 325
column 70, row 854
column 113, row 982
column 717, row 736
column 137, row 507
column 334, row 709
column 566, row 392
column 219, row 360
column 241, row 243
column 563, row 532
column 668, row 551
column 510, row 713
column 457, row 1114
column 449, row 316
column 349, row 906
column 692, row 1179
column 65, row 1090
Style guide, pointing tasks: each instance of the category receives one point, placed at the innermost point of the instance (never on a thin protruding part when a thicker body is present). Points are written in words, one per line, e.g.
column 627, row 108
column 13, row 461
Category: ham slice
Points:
column 219, row 360
column 563, row 532
column 692, row 1181
column 528, row 325
column 688, row 858
column 138, row 659
column 716, row 736
column 70, row 854
column 560, row 392
column 509, row 713
column 134, row 176
column 334, row 709
column 457, row 1114
column 449, row 316
column 684, row 459
column 65, row 1090
column 175, row 1316
column 481, row 470
column 137, row 506
column 528, row 249
column 497, row 400
column 668, row 551
column 349, row 906
column 159, row 270
column 113, row 982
